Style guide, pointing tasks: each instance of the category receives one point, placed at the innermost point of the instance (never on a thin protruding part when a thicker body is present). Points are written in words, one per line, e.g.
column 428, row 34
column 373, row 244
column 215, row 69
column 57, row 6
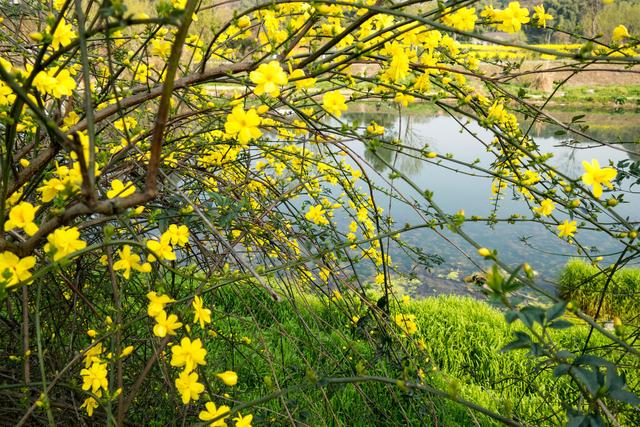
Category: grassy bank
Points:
column 281, row 350
column 585, row 284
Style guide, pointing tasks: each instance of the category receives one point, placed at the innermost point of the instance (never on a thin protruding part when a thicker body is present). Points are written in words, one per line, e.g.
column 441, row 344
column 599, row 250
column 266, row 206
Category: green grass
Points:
column 292, row 342
column 584, row 283
column 616, row 94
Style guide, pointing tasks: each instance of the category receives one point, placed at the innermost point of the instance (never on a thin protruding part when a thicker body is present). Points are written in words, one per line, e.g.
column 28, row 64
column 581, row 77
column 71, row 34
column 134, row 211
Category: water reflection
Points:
column 633, row 150
column 390, row 154
column 522, row 241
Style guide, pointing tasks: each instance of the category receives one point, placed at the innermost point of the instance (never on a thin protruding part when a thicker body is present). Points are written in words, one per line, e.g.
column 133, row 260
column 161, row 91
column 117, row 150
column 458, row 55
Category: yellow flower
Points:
column 243, row 421
column 268, row 79
column 497, row 113
column 161, row 248
column 141, row 73
column 92, row 355
column 179, row 4
column 596, row 176
column 166, row 325
column 300, row 81
column 157, row 303
column 399, row 66
column 407, row 323
column 22, row 216
column 178, row 235
column 50, row 189
column 63, row 34
column 188, row 386
column 541, row 16
column 512, row 18
column 243, row 22
column 128, row 260
column 619, row 33
column 567, row 229
column 334, row 103
column 464, row 19
column 54, row 82
column 14, row 269
column 89, row 405
column 230, row 378
column 375, row 129
column 488, row 12
column 95, row 377
column 214, row 413
column 118, row 189
column 71, row 119
column 129, row 123
column 161, row 48
column 243, row 125
column 545, row 208
column 64, row 241
column 57, row 4
column 44, row 83
column 404, row 99
column 64, row 84
column 126, row 351
column 200, row 314
column 6, row 94
column 188, row 354
column 316, row 214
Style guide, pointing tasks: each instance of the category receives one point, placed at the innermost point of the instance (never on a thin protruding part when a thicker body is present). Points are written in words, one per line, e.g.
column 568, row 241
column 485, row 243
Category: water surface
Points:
column 455, row 190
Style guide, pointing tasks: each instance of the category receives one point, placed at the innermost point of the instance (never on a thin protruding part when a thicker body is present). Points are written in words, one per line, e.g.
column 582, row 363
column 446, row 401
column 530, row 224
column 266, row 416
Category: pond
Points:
column 455, row 190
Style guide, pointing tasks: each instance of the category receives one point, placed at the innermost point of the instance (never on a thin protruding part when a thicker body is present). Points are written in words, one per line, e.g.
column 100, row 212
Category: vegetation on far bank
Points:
column 598, row 291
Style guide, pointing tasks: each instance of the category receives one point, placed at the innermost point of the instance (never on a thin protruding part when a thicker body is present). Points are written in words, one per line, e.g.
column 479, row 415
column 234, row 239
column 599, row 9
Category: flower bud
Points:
column 244, row 22
column 230, row 378
column 484, row 252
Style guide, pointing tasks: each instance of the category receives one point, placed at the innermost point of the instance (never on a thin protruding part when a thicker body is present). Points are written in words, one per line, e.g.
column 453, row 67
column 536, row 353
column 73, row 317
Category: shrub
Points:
column 586, row 285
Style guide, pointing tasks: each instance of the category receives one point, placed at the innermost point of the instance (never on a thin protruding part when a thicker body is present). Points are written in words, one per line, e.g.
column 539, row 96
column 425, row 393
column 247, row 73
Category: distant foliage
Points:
column 583, row 283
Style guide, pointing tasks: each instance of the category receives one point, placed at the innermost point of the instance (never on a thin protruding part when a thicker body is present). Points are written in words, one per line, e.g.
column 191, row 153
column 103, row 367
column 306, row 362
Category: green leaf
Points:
column 587, row 378
column 625, row 396
column 575, row 421
column 565, row 354
column 510, row 316
column 523, row 340
column 556, row 310
column 536, row 350
column 561, row 324
column 561, row 369
column 591, row 360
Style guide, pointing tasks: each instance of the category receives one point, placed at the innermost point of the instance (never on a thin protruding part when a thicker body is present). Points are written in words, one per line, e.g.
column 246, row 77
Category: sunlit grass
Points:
column 586, row 285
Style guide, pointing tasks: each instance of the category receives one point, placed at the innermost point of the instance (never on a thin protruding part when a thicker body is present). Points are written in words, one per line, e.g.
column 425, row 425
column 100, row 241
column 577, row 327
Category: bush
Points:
column 584, row 284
